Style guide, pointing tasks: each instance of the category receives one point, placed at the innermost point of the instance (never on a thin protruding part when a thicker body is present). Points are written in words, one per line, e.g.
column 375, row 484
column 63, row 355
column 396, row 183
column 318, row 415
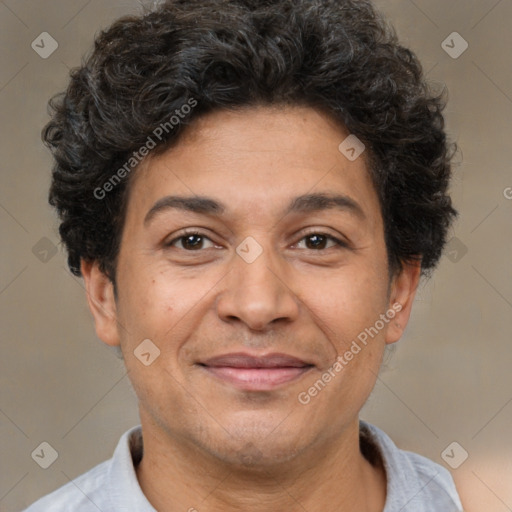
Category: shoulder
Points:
column 83, row 494
column 414, row 483
column 110, row 486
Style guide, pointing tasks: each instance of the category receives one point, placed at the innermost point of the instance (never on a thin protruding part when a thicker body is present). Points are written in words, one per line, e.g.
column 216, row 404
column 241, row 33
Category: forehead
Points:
column 256, row 161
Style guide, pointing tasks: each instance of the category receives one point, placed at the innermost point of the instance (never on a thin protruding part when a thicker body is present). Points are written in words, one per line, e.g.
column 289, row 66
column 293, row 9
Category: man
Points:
column 251, row 191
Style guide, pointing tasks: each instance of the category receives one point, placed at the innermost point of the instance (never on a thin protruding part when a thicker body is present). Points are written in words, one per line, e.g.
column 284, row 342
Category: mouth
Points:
column 256, row 373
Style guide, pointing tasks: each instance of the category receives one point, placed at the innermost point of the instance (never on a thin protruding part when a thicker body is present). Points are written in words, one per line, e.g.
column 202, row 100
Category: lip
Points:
column 257, row 373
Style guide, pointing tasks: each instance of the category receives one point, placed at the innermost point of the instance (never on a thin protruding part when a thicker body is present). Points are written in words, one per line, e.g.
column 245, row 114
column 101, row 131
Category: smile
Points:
column 252, row 373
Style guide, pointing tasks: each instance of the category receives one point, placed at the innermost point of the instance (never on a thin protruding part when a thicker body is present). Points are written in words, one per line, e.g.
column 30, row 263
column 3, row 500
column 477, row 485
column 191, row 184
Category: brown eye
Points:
column 190, row 241
column 318, row 241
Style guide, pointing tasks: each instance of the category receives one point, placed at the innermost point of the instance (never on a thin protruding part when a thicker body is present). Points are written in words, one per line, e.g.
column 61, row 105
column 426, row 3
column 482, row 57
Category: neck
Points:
column 175, row 475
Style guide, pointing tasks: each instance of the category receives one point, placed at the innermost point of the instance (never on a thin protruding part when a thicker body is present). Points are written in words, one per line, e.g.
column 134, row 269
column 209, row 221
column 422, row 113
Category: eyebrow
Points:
column 306, row 203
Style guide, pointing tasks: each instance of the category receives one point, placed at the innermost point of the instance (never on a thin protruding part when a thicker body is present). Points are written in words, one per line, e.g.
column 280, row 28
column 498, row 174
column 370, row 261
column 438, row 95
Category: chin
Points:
column 254, row 458
column 258, row 448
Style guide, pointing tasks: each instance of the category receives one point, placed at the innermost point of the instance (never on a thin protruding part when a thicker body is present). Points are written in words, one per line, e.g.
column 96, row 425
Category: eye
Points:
column 318, row 241
column 190, row 241
column 195, row 241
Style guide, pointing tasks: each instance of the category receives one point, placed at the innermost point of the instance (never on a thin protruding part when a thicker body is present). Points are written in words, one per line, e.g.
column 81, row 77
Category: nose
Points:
column 258, row 294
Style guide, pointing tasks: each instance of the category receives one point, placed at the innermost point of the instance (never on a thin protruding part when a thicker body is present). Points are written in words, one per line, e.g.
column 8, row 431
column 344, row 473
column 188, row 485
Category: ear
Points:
column 403, row 290
column 102, row 303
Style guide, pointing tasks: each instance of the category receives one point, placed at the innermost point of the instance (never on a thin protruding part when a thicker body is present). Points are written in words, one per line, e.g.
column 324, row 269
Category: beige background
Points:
column 450, row 377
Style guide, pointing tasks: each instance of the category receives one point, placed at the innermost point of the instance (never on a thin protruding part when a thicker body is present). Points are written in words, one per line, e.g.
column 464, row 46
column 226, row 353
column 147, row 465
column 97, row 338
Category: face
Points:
column 253, row 258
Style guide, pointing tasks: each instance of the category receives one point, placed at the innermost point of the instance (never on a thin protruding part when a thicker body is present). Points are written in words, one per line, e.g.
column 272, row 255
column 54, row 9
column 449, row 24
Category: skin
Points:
column 207, row 444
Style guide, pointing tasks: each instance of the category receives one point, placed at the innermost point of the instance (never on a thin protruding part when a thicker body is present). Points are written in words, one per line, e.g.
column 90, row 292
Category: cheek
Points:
column 144, row 304
column 346, row 303
column 163, row 306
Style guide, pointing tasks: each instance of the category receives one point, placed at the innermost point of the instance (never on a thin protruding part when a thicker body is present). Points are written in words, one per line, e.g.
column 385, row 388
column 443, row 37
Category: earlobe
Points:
column 403, row 290
column 102, row 303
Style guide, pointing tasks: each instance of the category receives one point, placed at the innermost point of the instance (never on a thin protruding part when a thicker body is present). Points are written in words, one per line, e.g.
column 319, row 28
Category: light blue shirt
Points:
column 414, row 483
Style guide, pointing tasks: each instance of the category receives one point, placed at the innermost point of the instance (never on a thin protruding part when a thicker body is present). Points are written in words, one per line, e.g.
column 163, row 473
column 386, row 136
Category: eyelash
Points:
column 339, row 243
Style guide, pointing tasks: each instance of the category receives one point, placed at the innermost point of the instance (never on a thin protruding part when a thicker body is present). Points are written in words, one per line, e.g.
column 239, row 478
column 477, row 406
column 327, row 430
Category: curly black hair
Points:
column 339, row 56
